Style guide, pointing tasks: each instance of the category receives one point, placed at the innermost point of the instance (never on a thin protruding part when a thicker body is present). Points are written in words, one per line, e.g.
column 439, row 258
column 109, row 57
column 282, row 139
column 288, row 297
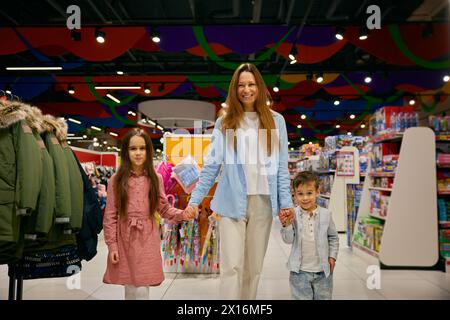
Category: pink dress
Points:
column 137, row 238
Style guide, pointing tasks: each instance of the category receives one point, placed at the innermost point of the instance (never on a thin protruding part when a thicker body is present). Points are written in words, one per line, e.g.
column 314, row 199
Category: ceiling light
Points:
column 159, row 127
column 117, row 87
column 293, row 53
column 155, row 35
column 68, row 142
column 223, row 104
column 96, row 128
column 147, row 89
column 96, row 144
column 119, row 72
column 293, row 62
column 151, row 122
column 352, row 116
column 339, row 33
column 338, row 126
column 302, row 139
column 363, row 125
column 336, row 102
column 113, row 98
column 289, row 143
column 33, row 68
column 105, row 142
column 113, row 134
column 71, row 89
column 84, row 136
column 319, row 78
column 276, row 88
column 310, row 142
column 299, row 126
column 74, row 138
column 95, row 139
column 368, row 79
column 303, row 116
column 349, row 133
column 74, row 120
column 99, row 36
column 412, row 102
column 363, row 33
column 446, row 78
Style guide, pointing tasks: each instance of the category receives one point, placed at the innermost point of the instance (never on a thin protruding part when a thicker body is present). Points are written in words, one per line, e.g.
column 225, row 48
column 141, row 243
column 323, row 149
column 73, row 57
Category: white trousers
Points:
column 136, row 293
column 243, row 245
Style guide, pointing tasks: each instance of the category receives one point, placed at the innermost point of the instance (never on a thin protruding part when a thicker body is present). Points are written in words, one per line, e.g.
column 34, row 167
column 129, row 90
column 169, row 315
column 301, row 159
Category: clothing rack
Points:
column 15, row 291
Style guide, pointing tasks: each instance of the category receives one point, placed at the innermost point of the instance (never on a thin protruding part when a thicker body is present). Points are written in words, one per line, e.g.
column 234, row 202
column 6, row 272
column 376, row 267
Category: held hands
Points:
column 113, row 257
column 332, row 263
column 286, row 216
column 191, row 212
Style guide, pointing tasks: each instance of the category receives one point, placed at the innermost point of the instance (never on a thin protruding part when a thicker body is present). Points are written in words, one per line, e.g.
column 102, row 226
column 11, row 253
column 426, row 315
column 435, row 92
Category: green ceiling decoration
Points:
column 425, row 107
column 111, row 104
column 200, row 36
column 395, row 34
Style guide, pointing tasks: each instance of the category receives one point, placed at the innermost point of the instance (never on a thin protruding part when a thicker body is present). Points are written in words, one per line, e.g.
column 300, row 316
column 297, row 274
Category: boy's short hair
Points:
column 305, row 177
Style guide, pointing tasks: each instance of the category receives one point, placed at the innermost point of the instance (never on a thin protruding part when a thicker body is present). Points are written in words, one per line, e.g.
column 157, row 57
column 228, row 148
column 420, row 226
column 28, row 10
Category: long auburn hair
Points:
column 235, row 110
column 124, row 172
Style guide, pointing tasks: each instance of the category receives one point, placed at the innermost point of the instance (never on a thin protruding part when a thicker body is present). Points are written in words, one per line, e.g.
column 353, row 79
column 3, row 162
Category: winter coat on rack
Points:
column 62, row 187
column 20, row 176
column 92, row 225
column 75, row 180
column 39, row 223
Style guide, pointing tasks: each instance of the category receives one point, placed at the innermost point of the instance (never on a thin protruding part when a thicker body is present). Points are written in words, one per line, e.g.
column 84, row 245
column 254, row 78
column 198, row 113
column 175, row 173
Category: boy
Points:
column 314, row 240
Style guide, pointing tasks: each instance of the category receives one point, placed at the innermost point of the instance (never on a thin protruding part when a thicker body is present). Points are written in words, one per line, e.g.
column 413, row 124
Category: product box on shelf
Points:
column 439, row 124
column 444, row 243
column 379, row 151
column 393, row 119
column 390, row 162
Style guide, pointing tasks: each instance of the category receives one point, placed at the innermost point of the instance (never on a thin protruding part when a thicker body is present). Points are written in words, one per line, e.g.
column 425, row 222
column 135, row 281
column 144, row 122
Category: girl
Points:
column 135, row 192
column 251, row 191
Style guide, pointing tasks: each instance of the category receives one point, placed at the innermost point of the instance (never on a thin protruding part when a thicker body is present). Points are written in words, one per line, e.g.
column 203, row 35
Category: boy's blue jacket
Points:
column 230, row 198
column 326, row 236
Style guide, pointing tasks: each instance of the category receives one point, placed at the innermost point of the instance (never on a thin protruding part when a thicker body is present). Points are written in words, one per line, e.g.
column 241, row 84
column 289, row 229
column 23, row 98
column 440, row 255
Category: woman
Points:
column 250, row 142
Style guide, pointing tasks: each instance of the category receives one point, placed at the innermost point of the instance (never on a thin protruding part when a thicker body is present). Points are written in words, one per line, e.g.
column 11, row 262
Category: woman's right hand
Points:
column 113, row 257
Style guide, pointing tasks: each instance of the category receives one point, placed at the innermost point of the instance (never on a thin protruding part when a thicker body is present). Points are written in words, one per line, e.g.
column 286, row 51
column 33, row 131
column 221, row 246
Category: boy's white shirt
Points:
column 310, row 261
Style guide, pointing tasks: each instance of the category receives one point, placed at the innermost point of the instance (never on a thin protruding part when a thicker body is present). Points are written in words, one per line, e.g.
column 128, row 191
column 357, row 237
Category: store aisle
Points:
column 349, row 280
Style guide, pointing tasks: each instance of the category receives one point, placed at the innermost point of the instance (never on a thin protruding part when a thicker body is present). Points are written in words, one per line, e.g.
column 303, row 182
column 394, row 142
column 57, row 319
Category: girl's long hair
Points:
column 124, row 172
column 235, row 110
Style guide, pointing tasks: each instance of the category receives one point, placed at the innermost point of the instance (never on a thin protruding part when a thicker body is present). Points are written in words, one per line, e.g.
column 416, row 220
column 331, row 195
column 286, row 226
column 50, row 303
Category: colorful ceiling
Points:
column 196, row 62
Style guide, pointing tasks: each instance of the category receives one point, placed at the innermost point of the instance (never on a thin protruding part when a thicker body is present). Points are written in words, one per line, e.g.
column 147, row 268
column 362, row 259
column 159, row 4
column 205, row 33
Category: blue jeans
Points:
column 310, row 285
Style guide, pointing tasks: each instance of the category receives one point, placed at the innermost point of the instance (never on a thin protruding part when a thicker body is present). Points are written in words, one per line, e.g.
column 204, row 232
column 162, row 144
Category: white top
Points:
column 253, row 156
column 310, row 258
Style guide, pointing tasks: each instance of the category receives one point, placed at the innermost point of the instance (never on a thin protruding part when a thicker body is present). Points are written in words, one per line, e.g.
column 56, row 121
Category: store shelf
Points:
column 444, row 224
column 325, row 171
column 365, row 249
column 377, row 216
column 380, row 189
column 387, row 137
column 443, row 192
column 327, row 196
column 443, row 138
column 382, row 174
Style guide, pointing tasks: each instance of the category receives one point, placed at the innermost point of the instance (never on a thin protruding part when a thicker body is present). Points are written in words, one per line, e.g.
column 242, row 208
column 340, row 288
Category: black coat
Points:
column 92, row 223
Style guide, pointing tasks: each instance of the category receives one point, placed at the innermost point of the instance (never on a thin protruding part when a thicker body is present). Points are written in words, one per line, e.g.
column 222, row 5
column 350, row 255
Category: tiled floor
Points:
column 349, row 280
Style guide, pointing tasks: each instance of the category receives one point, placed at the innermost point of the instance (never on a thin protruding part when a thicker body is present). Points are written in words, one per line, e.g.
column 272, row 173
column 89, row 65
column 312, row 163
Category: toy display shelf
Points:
column 377, row 216
column 444, row 224
column 382, row 174
column 387, row 137
column 410, row 233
